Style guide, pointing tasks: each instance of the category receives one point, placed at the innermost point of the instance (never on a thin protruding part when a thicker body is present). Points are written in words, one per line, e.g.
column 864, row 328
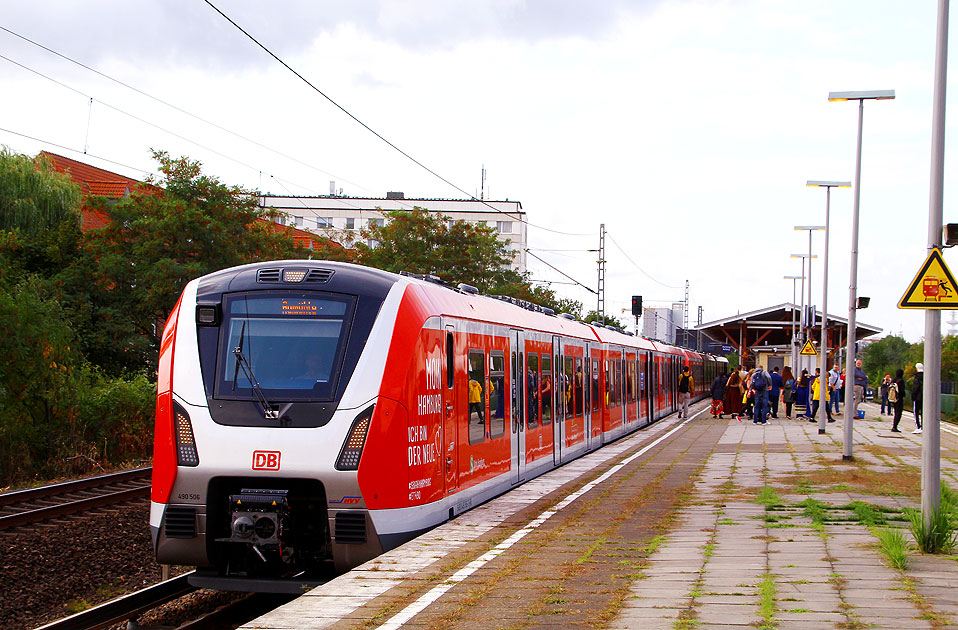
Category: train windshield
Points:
column 292, row 347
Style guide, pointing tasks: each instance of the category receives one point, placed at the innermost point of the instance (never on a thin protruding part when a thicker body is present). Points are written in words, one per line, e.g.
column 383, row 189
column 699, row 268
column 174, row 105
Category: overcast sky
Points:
column 688, row 128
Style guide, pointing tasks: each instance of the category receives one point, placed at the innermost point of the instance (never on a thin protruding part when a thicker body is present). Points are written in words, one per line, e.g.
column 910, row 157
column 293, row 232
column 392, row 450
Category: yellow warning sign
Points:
column 809, row 349
column 933, row 287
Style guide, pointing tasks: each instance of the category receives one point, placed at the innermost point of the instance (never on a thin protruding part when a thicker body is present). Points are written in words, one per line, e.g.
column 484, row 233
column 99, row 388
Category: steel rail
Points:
column 22, row 496
column 72, row 507
column 126, row 607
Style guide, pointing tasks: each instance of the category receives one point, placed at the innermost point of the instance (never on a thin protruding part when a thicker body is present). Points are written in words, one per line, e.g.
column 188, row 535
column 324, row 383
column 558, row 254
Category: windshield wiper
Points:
column 242, row 362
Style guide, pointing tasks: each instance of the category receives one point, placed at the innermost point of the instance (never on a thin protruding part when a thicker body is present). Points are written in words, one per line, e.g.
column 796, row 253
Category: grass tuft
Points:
column 892, row 544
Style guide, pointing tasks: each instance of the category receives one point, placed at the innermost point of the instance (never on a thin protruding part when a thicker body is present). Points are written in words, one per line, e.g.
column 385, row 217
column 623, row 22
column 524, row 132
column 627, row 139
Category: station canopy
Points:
column 771, row 328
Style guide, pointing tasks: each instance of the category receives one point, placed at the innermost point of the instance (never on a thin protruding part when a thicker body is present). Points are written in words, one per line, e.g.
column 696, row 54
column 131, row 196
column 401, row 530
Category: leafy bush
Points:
column 115, row 418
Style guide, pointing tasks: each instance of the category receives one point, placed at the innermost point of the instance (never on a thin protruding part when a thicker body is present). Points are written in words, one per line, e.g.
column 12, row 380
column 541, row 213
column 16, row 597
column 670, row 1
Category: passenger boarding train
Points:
column 313, row 413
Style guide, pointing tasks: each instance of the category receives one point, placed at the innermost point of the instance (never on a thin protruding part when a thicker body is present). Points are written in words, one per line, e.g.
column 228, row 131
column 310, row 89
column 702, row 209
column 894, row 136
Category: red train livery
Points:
column 313, row 413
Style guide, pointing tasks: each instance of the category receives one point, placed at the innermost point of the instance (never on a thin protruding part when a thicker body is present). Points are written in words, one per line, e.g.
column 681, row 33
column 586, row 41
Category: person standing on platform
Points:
column 899, row 398
column 748, row 403
column 774, row 391
column 733, row 394
column 918, row 395
column 841, row 388
column 788, row 391
column 760, row 384
column 861, row 382
column 834, row 376
column 686, row 387
column 817, row 394
column 883, row 390
column 801, row 392
column 718, row 395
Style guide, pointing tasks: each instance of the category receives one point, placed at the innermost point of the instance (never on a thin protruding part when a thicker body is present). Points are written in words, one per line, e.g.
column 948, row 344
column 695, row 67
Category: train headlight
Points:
column 355, row 440
column 242, row 527
column 186, row 454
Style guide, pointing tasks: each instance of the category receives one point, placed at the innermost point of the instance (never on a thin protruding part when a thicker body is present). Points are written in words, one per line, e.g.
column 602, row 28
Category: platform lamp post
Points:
column 793, row 279
column 808, row 276
column 823, row 343
column 861, row 97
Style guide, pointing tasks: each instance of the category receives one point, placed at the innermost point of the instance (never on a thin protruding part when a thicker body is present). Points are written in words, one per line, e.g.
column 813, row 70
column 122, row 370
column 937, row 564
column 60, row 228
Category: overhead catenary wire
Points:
column 636, row 265
column 179, row 109
column 220, row 127
column 148, row 123
column 66, row 148
column 561, row 272
column 376, row 133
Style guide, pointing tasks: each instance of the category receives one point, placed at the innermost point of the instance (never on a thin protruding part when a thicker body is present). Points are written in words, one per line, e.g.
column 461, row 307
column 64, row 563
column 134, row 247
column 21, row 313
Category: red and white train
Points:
column 311, row 412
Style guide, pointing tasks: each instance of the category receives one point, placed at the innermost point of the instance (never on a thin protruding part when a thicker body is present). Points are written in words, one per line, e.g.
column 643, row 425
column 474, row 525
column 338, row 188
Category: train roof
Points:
column 436, row 298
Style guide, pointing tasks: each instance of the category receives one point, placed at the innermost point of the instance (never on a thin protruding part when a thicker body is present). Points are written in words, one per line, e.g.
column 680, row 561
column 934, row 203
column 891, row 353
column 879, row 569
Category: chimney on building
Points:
column 395, row 195
column 332, row 188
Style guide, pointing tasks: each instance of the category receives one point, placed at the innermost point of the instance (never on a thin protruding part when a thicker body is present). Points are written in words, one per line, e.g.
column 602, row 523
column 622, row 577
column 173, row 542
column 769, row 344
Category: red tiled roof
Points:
column 106, row 189
column 93, row 180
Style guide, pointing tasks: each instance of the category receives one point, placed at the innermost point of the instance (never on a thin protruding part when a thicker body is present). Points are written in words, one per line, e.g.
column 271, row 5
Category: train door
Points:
column 519, row 385
column 587, row 395
column 595, row 396
column 561, row 388
column 642, row 387
column 454, row 402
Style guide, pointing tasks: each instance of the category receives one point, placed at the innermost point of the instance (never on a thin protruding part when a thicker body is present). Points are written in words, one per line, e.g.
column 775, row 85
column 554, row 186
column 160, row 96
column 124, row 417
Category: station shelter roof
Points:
column 772, row 327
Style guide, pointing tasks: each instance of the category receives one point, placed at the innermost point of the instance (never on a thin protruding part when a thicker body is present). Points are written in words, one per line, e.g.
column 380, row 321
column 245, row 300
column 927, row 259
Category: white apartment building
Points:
column 662, row 323
column 321, row 214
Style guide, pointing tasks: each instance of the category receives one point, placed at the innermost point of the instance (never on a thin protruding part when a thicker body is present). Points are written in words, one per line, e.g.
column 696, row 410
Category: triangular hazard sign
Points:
column 808, row 348
column 933, row 287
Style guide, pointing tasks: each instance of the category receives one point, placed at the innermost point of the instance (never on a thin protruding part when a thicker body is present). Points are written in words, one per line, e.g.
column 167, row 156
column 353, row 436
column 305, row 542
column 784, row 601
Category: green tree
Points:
column 158, row 239
column 38, row 361
column 885, row 356
column 419, row 241
column 33, row 196
column 607, row 320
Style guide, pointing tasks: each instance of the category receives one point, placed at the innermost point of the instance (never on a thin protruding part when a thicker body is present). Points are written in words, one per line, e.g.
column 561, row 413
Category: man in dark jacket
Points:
column 775, row 391
column 918, row 395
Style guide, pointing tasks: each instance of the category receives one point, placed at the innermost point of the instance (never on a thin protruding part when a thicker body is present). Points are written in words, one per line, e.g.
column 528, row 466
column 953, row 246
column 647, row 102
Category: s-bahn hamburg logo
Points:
column 266, row 460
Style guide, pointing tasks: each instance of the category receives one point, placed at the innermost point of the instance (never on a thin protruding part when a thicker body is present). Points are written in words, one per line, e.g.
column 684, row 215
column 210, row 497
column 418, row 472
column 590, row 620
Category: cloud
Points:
column 192, row 34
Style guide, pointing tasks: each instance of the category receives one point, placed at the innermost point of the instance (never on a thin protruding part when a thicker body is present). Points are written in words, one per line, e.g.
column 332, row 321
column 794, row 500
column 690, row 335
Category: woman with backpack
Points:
column 896, row 396
column 883, row 390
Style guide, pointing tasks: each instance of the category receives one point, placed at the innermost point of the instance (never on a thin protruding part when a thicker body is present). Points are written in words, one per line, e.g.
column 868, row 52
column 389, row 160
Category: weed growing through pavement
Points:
column 766, row 595
column 938, row 535
column 768, row 497
column 892, row 544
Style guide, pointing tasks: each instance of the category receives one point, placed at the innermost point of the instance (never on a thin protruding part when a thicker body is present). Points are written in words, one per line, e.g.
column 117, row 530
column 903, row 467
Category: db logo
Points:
column 266, row 460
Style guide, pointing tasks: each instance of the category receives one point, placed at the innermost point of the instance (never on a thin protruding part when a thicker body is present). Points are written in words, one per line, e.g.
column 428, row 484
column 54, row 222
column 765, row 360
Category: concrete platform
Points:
column 664, row 529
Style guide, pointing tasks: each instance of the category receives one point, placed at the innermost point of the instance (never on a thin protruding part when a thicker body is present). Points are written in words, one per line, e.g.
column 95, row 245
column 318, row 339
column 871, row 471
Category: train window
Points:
column 596, row 398
column 532, row 390
column 516, row 379
column 497, row 394
column 545, row 389
column 450, row 361
column 608, row 385
column 577, row 387
column 567, row 399
column 620, row 382
column 292, row 347
column 477, row 397
column 630, row 380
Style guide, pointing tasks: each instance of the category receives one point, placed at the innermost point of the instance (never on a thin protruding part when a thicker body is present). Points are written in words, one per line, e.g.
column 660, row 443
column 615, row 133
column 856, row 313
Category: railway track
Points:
column 130, row 607
column 27, row 507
